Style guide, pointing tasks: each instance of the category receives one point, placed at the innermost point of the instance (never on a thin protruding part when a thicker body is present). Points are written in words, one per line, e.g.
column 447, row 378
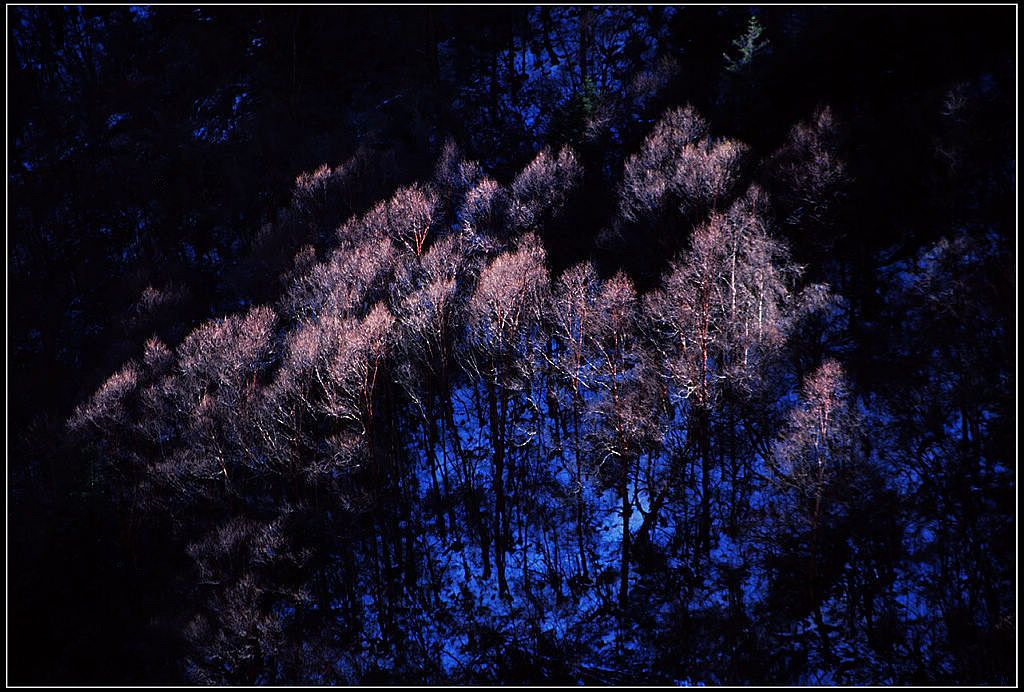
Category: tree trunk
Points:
column 497, row 427
column 583, row 46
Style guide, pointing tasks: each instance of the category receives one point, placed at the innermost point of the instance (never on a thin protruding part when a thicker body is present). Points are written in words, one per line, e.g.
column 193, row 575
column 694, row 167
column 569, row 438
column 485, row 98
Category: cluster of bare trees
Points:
column 425, row 394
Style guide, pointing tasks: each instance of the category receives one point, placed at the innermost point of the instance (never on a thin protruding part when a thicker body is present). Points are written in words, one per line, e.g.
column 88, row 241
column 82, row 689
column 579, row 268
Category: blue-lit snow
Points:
column 549, row 545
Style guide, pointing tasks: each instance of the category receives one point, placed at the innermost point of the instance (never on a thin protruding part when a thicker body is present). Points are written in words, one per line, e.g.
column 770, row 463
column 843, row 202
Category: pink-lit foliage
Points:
column 542, row 189
column 229, row 352
column 625, row 414
column 484, row 209
column 426, row 334
column 809, row 179
column 355, row 359
column 818, row 441
column 217, row 390
column 157, row 358
column 818, row 457
column 679, row 168
column 323, row 198
column 623, row 418
column 105, row 409
column 430, row 307
column 725, row 304
column 316, row 416
column 816, row 466
column 408, row 219
column 347, row 283
column 508, row 305
column 321, row 201
column 184, row 419
column 453, row 174
column 330, row 363
column 156, row 401
column 572, row 316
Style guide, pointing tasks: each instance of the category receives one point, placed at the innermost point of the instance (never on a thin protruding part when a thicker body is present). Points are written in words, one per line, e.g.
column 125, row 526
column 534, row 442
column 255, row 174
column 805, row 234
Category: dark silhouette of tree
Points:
column 808, row 181
column 819, row 442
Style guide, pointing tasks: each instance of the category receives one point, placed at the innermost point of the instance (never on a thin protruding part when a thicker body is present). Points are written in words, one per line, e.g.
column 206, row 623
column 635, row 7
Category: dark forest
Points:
column 511, row 345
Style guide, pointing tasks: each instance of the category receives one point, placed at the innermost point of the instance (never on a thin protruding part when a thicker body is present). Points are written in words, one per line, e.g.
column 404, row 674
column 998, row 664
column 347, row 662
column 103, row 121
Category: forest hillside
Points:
column 525, row 345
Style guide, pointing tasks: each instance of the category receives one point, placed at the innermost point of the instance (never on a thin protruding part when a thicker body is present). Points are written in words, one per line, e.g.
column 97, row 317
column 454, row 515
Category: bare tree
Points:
column 504, row 315
column 573, row 316
column 485, row 209
column 409, row 218
column 431, row 316
column 347, row 283
column 721, row 317
column 818, row 446
column 679, row 168
column 809, row 182
column 542, row 190
column 624, row 414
